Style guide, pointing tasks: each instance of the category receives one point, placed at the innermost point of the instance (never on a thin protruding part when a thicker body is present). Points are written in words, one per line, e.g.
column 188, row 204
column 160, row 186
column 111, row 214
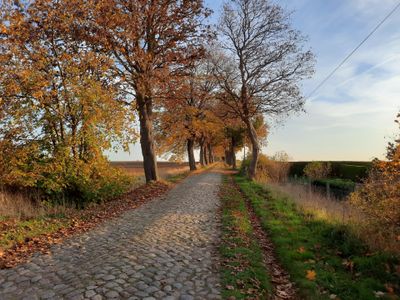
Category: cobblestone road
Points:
column 165, row 249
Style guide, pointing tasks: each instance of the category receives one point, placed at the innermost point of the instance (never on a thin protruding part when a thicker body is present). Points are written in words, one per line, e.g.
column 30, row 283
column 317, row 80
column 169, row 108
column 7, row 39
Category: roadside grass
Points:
column 341, row 212
column 21, row 219
column 19, row 231
column 243, row 270
column 325, row 260
column 317, row 203
column 176, row 178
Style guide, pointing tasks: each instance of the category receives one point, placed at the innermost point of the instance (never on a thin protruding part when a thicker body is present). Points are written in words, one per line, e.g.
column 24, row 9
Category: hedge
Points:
column 351, row 170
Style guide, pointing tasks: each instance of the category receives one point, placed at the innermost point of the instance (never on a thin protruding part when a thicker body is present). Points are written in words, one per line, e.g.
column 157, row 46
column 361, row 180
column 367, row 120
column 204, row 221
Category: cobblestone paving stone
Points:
column 165, row 249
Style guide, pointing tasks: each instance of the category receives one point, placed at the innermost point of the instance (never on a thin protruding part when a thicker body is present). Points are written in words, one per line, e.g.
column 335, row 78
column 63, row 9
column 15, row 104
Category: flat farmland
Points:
column 165, row 169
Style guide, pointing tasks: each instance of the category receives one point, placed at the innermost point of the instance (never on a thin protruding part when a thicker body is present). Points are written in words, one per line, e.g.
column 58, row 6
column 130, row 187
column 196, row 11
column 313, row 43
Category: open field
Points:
column 165, row 169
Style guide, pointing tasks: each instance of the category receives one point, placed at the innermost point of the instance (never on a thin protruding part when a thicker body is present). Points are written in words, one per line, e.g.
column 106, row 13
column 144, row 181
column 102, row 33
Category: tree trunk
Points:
column 255, row 147
column 192, row 161
column 205, row 154
column 201, row 154
column 232, row 153
column 146, row 138
column 228, row 158
column 210, row 154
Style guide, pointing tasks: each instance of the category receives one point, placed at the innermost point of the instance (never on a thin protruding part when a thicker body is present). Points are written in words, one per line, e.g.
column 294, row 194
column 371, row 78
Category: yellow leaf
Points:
column 311, row 275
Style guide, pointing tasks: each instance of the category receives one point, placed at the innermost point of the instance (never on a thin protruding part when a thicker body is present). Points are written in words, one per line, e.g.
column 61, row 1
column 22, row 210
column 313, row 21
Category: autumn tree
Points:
column 260, row 64
column 187, row 117
column 58, row 108
column 235, row 133
column 148, row 41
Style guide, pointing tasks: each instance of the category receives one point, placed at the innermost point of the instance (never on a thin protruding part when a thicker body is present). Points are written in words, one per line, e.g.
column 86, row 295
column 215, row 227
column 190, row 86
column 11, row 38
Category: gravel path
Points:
column 165, row 249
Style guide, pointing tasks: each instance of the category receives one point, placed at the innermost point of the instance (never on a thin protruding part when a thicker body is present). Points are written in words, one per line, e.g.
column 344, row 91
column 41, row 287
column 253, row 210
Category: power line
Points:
column 354, row 50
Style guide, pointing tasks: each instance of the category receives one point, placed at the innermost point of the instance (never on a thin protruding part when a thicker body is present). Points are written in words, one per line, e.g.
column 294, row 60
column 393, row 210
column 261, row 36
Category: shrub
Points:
column 62, row 179
column 107, row 184
column 379, row 196
column 317, row 170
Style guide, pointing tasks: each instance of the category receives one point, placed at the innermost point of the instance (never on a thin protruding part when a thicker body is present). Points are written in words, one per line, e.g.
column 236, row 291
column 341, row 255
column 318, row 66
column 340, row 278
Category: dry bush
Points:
column 379, row 199
column 17, row 206
column 273, row 169
column 20, row 206
column 379, row 196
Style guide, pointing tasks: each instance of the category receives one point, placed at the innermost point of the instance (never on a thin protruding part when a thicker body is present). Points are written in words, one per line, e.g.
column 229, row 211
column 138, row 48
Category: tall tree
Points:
column 261, row 63
column 149, row 41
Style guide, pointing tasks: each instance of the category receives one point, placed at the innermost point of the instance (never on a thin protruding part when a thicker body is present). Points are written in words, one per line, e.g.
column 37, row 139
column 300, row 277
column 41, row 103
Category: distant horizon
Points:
column 185, row 161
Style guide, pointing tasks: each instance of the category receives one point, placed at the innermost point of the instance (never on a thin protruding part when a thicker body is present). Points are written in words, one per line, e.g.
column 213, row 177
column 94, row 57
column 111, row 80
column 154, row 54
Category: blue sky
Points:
column 351, row 116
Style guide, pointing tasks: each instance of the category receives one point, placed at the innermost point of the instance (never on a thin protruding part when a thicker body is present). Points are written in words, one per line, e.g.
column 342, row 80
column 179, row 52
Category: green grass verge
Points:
column 343, row 265
column 177, row 177
column 21, row 230
column 243, row 271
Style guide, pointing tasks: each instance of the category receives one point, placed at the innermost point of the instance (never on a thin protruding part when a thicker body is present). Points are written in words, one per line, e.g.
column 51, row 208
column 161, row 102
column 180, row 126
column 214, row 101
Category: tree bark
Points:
column 145, row 111
column 210, row 154
column 201, row 153
column 232, row 153
column 205, row 154
column 228, row 157
column 190, row 150
column 255, row 149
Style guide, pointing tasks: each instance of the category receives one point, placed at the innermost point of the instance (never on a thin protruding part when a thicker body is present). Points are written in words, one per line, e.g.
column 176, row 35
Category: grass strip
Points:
column 325, row 260
column 19, row 231
column 243, row 270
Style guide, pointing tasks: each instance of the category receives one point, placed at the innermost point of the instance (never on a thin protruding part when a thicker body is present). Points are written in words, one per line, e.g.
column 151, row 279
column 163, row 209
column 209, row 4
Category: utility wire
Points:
column 354, row 50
